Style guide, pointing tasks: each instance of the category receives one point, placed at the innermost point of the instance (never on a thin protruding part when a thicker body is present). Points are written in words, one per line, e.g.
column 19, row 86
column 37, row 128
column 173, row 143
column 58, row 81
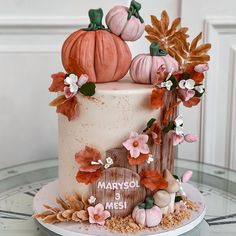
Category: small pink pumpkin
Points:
column 126, row 22
column 144, row 67
column 147, row 213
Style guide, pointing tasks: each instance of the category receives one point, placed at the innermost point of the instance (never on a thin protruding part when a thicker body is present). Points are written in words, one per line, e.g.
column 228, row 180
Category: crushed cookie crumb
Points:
column 127, row 225
column 194, row 206
column 123, row 225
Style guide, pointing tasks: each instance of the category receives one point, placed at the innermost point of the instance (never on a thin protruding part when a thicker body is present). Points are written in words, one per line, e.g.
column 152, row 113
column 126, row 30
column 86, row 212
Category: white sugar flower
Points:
column 75, row 83
column 109, row 160
column 168, row 84
column 179, row 121
column 187, row 84
column 199, row 88
column 71, row 79
column 179, row 130
column 92, row 200
column 150, row 159
column 179, row 125
column 107, row 166
column 74, row 88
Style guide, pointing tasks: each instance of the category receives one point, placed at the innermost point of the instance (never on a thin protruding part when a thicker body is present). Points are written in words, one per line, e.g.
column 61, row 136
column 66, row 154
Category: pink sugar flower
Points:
column 191, row 138
column 67, row 92
column 200, row 68
column 160, row 75
column 83, row 79
column 186, row 94
column 97, row 215
column 137, row 144
column 186, row 176
column 176, row 138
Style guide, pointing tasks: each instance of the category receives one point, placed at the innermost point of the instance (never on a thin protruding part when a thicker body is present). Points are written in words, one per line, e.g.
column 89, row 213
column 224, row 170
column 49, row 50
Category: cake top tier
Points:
column 98, row 58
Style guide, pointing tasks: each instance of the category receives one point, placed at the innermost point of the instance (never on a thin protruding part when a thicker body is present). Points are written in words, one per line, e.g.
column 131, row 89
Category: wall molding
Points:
column 20, row 21
column 220, row 24
column 213, row 29
column 33, row 26
column 232, row 112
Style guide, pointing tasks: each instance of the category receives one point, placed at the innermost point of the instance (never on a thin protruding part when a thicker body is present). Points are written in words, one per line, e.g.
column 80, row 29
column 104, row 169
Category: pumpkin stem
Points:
column 141, row 206
column 95, row 16
column 149, row 202
column 134, row 10
column 155, row 50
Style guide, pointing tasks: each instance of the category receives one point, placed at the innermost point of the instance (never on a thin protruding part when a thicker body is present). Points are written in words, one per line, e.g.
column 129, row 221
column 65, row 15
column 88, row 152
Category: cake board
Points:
column 49, row 193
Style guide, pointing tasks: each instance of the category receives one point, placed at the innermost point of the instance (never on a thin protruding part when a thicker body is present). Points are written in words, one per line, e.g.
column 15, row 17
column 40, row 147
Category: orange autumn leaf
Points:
column 157, row 98
column 156, row 133
column 197, row 77
column 88, row 177
column 85, row 158
column 152, row 180
column 189, row 68
column 69, row 108
column 58, row 101
column 139, row 160
column 169, row 113
column 192, row 102
column 57, row 82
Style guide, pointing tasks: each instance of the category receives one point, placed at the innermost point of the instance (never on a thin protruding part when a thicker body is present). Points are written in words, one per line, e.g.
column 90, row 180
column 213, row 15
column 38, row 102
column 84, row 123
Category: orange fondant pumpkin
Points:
column 104, row 56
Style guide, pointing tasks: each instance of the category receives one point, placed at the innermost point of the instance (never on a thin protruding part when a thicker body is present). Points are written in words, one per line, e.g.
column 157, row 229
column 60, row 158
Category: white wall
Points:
column 31, row 35
column 215, row 119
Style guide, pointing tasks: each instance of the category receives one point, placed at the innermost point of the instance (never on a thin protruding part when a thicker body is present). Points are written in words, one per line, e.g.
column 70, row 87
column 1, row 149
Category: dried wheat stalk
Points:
column 73, row 208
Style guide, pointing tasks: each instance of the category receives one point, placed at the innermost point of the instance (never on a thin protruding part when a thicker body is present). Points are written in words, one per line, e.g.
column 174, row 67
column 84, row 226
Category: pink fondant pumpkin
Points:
column 126, row 22
column 144, row 67
column 104, row 56
column 147, row 214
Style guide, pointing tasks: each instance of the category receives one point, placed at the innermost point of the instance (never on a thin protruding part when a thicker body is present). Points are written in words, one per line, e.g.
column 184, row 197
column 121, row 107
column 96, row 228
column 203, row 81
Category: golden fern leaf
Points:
column 168, row 35
column 194, row 54
column 174, row 40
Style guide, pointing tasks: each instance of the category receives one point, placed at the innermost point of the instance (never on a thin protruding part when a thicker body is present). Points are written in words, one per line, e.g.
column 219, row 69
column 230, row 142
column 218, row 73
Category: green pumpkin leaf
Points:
column 174, row 81
column 170, row 126
column 149, row 124
column 149, row 199
column 185, row 75
column 176, row 177
column 88, row 89
column 149, row 205
column 178, row 198
column 149, row 202
column 197, row 94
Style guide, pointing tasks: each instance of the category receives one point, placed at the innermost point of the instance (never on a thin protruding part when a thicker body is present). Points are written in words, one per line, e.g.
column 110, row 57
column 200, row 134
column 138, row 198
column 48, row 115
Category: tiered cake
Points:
column 117, row 134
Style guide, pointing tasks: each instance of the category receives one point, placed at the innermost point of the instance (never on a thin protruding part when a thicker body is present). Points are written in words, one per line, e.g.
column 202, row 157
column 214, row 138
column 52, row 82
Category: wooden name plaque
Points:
column 119, row 191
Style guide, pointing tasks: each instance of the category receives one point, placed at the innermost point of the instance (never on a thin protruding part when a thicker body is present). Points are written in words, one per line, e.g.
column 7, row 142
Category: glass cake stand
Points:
column 19, row 184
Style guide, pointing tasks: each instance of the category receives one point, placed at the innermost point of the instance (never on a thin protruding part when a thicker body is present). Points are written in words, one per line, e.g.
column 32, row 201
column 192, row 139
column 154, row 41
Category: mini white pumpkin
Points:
column 126, row 22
